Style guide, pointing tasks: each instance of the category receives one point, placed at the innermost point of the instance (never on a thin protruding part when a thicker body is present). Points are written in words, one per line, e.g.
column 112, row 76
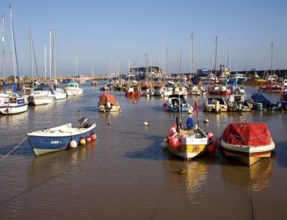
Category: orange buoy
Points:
column 88, row 139
column 174, row 142
column 212, row 147
column 93, row 137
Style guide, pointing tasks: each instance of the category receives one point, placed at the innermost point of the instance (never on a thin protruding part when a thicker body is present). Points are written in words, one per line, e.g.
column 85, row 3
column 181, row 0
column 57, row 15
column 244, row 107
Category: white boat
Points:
column 12, row 104
column 60, row 94
column 72, row 88
column 247, row 141
column 108, row 103
column 215, row 104
column 41, row 95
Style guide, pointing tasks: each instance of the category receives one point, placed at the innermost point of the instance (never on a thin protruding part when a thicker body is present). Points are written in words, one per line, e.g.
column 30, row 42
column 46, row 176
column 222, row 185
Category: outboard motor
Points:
column 84, row 122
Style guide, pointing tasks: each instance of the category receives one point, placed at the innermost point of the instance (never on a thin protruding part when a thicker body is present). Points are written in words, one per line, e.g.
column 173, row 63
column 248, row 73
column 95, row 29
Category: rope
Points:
column 13, row 149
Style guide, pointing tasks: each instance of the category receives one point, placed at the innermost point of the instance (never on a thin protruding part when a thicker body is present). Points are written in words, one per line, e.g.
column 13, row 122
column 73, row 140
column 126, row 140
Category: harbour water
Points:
column 126, row 174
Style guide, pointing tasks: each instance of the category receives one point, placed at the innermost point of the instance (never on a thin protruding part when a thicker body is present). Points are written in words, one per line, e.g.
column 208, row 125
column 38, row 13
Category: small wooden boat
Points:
column 247, row 141
column 61, row 137
column 107, row 103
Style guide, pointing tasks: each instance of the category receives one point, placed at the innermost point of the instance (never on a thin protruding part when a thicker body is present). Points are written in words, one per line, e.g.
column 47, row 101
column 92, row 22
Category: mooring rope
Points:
column 13, row 149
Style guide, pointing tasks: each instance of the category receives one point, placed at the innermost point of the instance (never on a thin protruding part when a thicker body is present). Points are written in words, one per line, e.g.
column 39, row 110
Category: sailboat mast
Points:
column 14, row 54
column 3, row 49
column 45, row 61
column 272, row 58
column 215, row 58
column 54, row 55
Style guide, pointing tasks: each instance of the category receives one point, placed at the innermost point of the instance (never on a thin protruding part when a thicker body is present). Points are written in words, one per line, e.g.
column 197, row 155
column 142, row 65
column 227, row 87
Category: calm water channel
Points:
column 126, row 175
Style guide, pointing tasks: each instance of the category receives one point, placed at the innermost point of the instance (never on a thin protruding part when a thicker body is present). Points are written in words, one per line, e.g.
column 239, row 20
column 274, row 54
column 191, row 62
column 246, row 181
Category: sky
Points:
column 108, row 36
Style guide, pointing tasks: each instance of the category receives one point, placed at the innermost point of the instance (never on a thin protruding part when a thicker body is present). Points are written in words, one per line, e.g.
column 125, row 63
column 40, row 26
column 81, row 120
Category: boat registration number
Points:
column 55, row 142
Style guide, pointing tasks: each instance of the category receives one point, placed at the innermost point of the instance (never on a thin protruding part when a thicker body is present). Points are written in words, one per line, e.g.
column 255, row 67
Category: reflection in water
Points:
column 51, row 165
column 260, row 174
column 196, row 175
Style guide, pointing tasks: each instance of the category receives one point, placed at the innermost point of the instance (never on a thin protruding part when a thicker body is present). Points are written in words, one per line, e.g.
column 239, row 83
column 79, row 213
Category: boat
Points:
column 188, row 142
column 107, row 103
column 133, row 92
column 247, row 141
column 260, row 102
column 275, row 88
column 220, row 90
column 238, row 103
column 196, row 90
column 72, row 88
column 61, row 137
column 42, row 94
column 59, row 93
column 215, row 104
column 176, row 103
column 12, row 104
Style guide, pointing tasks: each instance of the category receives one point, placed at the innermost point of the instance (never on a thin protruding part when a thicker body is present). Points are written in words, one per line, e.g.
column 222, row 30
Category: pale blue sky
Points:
column 103, row 33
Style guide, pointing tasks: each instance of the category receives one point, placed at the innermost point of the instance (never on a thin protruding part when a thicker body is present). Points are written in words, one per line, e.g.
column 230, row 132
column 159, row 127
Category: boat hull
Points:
column 247, row 154
column 10, row 109
column 55, row 139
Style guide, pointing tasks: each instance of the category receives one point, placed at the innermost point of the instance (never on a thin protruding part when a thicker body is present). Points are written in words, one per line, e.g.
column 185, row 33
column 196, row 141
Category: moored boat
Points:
column 42, row 94
column 247, row 141
column 176, row 103
column 72, row 88
column 13, row 104
column 61, row 137
column 215, row 104
column 107, row 103
column 188, row 142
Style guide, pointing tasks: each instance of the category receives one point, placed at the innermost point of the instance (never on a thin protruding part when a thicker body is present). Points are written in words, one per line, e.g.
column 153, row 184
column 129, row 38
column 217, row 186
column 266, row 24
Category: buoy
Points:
column 174, row 142
column 93, row 137
column 109, row 123
column 206, row 120
column 135, row 101
column 82, row 141
column 212, row 147
column 73, row 144
column 167, row 109
column 172, row 131
column 164, row 104
column 88, row 139
column 164, row 144
column 190, row 110
column 146, row 123
column 210, row 135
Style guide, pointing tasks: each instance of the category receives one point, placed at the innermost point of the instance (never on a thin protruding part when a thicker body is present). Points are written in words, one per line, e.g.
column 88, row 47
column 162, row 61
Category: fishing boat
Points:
column 42, row 94
column 275, row 88
column 220, row 90
column 247, row 141
column 107, row 103
column 188, row 142
column 12, row 104
column 238, row 103
column 215, row 104
column 61, row 137
column 72, row 88
column 176, row 103
column 133, row 92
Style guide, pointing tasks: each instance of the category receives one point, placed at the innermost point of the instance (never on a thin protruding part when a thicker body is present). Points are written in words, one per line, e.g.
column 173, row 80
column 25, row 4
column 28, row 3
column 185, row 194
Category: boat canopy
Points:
column 105, row 98
column 260, row 98
column 247, row 134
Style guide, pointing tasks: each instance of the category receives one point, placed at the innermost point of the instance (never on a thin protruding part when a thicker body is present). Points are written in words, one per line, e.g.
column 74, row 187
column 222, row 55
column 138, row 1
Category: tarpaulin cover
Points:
column 258, row 97
column 104, row 98
column 247, row 133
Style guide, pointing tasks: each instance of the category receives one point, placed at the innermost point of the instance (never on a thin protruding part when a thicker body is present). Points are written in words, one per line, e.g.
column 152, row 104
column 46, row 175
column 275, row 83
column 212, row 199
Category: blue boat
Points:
column 260, row 102
column 61, row 137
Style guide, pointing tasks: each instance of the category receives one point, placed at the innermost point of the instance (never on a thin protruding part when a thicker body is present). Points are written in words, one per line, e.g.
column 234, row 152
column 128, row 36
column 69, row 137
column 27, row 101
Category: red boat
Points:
column 133, row 93
column 247, row 141
column 220, row 90
column 271, row 88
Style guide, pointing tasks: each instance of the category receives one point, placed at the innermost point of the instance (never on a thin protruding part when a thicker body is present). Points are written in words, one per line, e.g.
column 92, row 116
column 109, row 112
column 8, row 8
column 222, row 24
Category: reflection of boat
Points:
column 59, row 138
column 260, row 174
column 247, row 141
column 107, row 103
column 187, row 143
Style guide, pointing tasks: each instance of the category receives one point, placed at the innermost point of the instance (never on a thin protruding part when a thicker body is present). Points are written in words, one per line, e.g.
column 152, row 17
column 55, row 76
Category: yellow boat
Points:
column 255, row 82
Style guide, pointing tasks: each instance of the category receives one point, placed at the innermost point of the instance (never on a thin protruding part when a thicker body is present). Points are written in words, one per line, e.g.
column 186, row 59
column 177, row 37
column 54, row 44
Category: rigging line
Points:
column 13, row 149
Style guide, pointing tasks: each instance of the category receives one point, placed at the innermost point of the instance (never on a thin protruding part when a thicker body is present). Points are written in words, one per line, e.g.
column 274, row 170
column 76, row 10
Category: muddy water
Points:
column 126, row 174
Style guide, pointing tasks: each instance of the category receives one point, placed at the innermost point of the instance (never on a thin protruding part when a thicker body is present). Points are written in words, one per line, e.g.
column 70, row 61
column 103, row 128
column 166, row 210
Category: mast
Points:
column 54, row 55
column 3, row 49
column 215, row 58
column 45, row 61
column 272, row 58
column 228, row 65
column 14, row 53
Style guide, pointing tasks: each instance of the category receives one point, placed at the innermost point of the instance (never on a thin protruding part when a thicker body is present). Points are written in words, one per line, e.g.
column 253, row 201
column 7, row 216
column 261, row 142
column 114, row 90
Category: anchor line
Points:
column 13, row 149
